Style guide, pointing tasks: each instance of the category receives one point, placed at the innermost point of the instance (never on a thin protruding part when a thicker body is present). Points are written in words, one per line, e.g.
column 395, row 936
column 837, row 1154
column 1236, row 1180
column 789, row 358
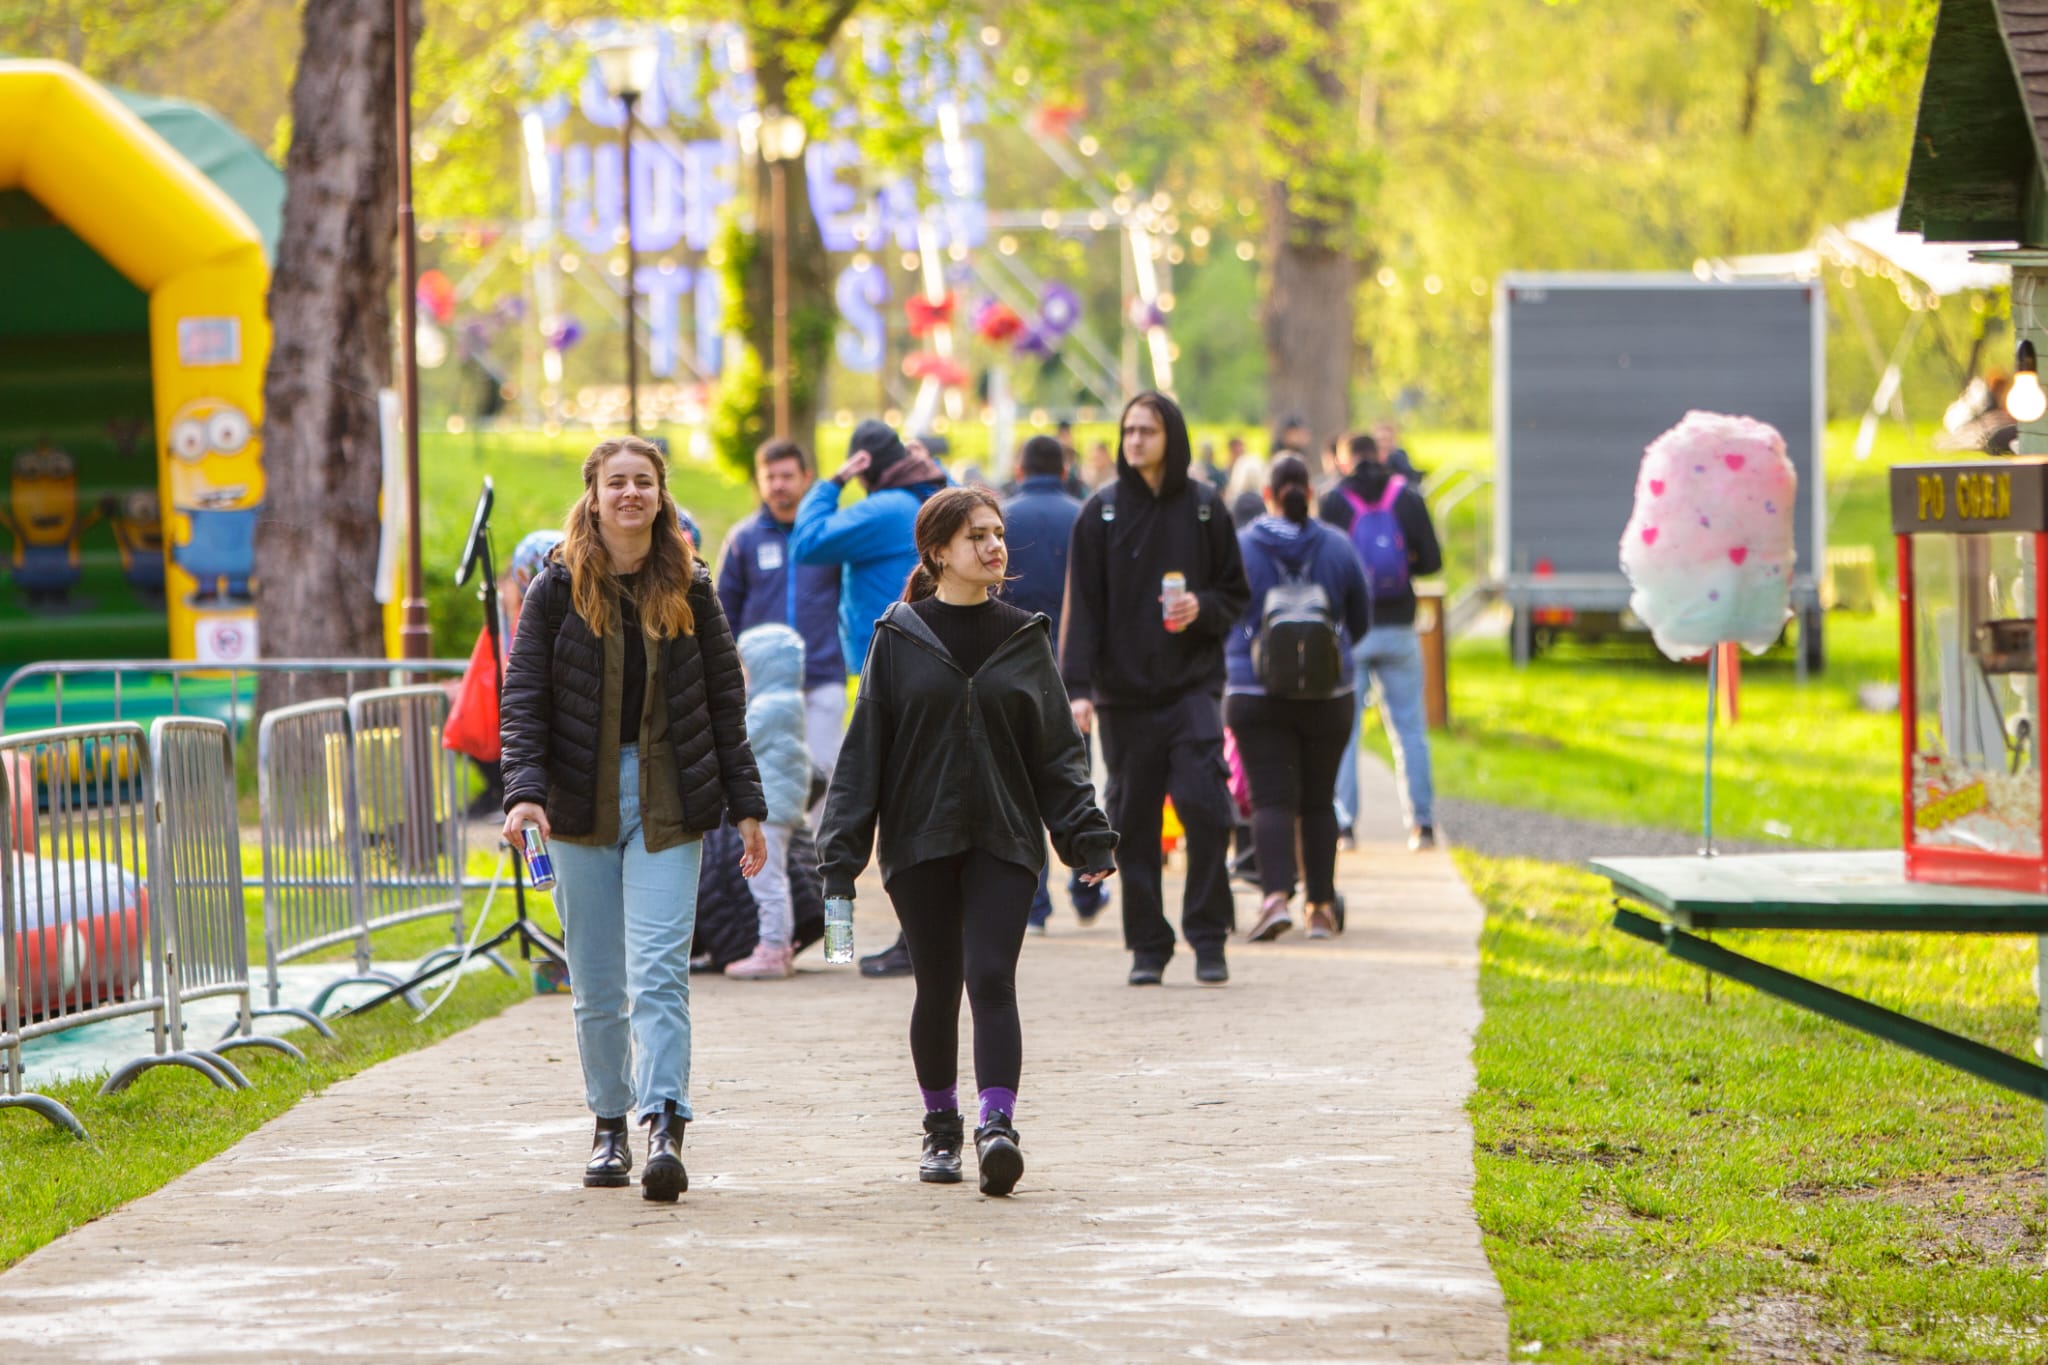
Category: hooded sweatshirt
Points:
column 1115, row 648
column 939, row 761
column 1369, row 482
column 774, row 659
column 1275, row 548
column 875, row 538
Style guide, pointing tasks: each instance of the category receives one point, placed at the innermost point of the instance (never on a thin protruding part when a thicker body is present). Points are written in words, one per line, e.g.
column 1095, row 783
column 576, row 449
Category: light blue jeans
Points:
column 1389, row 663
column 628, row 916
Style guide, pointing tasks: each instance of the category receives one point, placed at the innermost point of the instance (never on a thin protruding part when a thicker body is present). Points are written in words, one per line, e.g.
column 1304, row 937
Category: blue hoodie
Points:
column 774, row 659
column 874, row 539
column 1274, row 547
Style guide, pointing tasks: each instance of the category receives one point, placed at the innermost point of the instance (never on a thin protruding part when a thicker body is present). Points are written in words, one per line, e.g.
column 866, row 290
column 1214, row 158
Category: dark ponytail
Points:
column 921, row 584
column 1288, row 482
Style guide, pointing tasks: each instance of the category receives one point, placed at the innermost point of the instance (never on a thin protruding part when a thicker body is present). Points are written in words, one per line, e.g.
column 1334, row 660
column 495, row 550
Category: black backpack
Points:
column 1297, row 654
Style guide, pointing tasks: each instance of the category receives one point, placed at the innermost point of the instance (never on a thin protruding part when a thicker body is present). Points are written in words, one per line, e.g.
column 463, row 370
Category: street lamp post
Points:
column 782, row 141
column 414, row 637
column 627, row 69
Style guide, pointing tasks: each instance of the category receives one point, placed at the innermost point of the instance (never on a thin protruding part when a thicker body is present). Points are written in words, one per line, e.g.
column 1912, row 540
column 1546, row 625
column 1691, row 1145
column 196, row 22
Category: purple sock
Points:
column 939, row 1101
column 996, row 1100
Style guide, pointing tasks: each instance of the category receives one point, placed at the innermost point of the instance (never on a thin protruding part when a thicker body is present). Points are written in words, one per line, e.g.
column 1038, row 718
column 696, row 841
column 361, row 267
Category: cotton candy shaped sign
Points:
column 1708, row 548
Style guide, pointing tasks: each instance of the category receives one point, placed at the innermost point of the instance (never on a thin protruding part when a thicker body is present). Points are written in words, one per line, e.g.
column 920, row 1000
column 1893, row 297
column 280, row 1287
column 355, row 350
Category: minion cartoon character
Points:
column 42, row 513
column 138, row 526
column 215, row 484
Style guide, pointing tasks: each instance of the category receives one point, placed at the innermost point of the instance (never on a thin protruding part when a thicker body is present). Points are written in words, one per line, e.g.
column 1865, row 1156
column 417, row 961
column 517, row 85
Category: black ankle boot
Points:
column 1001, row 1161
column 611, row 1156
column 664, row 1177
column 943, row 1136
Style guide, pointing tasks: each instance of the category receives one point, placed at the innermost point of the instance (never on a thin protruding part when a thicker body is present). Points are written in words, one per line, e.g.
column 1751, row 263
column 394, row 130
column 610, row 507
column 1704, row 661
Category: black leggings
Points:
column 1291, row 751
column 963, row 917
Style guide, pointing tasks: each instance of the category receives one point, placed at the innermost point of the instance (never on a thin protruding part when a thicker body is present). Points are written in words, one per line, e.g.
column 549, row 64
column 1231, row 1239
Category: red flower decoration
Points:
column 929, row 365
column 1054, row 120
column 996, row 321
column 925, row 315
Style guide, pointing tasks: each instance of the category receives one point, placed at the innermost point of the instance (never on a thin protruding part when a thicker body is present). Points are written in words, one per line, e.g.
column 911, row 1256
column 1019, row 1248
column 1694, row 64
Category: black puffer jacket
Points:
column 554, row 691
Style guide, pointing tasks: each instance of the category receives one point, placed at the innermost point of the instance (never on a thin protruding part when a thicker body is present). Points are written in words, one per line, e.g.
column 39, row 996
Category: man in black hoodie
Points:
column 1152, row 674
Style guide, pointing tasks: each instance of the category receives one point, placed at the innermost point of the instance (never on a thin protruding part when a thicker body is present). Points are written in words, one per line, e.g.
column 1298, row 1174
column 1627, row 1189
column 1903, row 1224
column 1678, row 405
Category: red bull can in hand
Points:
column 540, row 868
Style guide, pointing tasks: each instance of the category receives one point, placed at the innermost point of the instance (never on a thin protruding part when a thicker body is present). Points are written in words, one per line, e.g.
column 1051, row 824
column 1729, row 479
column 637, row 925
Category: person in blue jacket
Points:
column 756, row 587
column 1291, row 746
column 874, row 541
column 1040, row 515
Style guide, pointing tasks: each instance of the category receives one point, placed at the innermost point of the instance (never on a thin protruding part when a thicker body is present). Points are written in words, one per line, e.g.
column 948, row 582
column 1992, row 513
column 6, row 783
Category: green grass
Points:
column 1660, row 1178
column 170, row 1119
column 1619, row 737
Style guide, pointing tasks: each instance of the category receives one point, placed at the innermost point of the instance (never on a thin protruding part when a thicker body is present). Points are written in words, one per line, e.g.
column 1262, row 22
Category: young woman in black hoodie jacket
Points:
column 963, row 751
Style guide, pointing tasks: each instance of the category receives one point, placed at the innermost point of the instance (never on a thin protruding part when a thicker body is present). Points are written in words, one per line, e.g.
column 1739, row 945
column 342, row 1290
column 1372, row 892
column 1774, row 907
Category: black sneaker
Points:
column 1422, row 837
column 1210, row 969
column 943, row 1136
column 1147, row 971
column 996, row 1150
column 891, row 961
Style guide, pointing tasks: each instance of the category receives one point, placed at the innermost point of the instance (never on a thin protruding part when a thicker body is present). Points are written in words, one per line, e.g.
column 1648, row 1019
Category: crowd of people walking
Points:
column 1218, row 628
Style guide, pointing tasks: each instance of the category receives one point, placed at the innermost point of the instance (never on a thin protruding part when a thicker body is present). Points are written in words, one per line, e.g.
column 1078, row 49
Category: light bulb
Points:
column 2025, row 399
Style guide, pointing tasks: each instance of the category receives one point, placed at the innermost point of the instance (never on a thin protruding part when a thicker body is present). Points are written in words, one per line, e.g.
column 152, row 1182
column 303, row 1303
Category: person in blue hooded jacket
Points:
column 873, row 539
column 1291, row 746
column 772, row 658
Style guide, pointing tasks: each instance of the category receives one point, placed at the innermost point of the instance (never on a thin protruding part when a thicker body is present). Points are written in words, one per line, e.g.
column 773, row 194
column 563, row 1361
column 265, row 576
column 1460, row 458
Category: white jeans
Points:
column 824, row 729
column 771, row 889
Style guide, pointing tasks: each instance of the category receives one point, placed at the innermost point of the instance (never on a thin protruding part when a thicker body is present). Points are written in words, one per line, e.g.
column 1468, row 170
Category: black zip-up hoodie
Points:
column 944, row 762
column 1115, row 649
column 1425, row 557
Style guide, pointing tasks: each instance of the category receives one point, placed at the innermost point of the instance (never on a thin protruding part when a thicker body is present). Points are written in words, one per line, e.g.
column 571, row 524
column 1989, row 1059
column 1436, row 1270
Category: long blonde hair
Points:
column 665, row 576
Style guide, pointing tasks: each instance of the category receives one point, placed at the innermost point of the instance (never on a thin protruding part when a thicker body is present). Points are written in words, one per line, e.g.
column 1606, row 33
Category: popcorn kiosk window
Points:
column 1971, row 540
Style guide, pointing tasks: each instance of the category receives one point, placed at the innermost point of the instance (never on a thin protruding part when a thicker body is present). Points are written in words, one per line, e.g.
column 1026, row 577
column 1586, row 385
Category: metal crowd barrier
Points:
column 196, row 886
column 179, row 672
column 362, row 829
column 111, row 882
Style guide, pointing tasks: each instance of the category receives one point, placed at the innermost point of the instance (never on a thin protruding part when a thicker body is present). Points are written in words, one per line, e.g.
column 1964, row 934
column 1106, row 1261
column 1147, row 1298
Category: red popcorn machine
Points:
column 1972, row 538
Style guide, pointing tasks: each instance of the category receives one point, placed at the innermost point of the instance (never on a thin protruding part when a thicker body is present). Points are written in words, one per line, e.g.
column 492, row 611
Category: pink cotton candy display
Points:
column 1708, row 548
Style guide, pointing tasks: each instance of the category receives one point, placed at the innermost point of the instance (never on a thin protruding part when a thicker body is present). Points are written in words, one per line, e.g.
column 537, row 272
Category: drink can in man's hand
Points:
column 838, row 929
column 540, row 868
column 1172, row 587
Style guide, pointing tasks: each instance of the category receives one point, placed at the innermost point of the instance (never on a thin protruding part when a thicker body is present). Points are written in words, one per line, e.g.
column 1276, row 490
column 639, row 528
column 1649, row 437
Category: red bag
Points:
column 473, row 720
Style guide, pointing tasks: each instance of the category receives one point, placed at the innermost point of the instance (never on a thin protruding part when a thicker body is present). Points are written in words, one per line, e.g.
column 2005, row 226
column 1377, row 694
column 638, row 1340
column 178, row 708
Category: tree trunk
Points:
column 331, row 345
column 813, row 312
column 1308, row 310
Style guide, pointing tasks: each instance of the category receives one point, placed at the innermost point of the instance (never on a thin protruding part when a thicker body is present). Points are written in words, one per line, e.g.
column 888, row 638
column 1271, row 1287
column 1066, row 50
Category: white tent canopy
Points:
column 1873, row 242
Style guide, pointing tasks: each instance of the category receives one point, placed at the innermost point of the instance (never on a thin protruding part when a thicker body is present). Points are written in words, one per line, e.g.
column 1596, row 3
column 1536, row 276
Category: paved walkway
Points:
column 1279, row 1169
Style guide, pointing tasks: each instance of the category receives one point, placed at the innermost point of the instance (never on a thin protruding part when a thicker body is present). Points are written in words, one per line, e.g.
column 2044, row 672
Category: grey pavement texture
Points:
column 1514, row 832
column 1278, row 1169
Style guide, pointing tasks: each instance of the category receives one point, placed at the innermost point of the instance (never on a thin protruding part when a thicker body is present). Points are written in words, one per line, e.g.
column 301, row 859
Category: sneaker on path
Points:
column 997, row 1153
column 893, row 960
column 1421, row 838
column 765, row 963
column 1273, row 921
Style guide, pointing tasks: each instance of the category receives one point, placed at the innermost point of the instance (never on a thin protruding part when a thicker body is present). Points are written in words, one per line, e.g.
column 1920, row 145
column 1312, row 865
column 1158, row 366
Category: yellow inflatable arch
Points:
column 105, row 175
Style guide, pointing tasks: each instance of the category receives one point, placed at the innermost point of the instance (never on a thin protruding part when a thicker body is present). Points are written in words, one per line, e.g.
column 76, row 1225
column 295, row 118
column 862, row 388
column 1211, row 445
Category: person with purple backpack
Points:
column 1388, row 523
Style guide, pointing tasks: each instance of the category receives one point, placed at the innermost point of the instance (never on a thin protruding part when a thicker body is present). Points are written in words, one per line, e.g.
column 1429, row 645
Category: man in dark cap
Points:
column 875, row 543
column 872, row 539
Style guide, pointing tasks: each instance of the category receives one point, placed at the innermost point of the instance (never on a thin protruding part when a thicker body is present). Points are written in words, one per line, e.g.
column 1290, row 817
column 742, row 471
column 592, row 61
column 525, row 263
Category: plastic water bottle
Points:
column 838, row 930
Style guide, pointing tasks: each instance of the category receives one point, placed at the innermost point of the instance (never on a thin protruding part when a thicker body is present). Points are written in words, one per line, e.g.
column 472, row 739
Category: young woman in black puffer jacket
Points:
column 625, row 740
column 963, row 751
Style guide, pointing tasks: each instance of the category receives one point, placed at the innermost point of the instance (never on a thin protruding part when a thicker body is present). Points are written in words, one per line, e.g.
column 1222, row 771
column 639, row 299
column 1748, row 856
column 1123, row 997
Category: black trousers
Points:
column 963, row 917
column 1153, row 753
column 1291, row 751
